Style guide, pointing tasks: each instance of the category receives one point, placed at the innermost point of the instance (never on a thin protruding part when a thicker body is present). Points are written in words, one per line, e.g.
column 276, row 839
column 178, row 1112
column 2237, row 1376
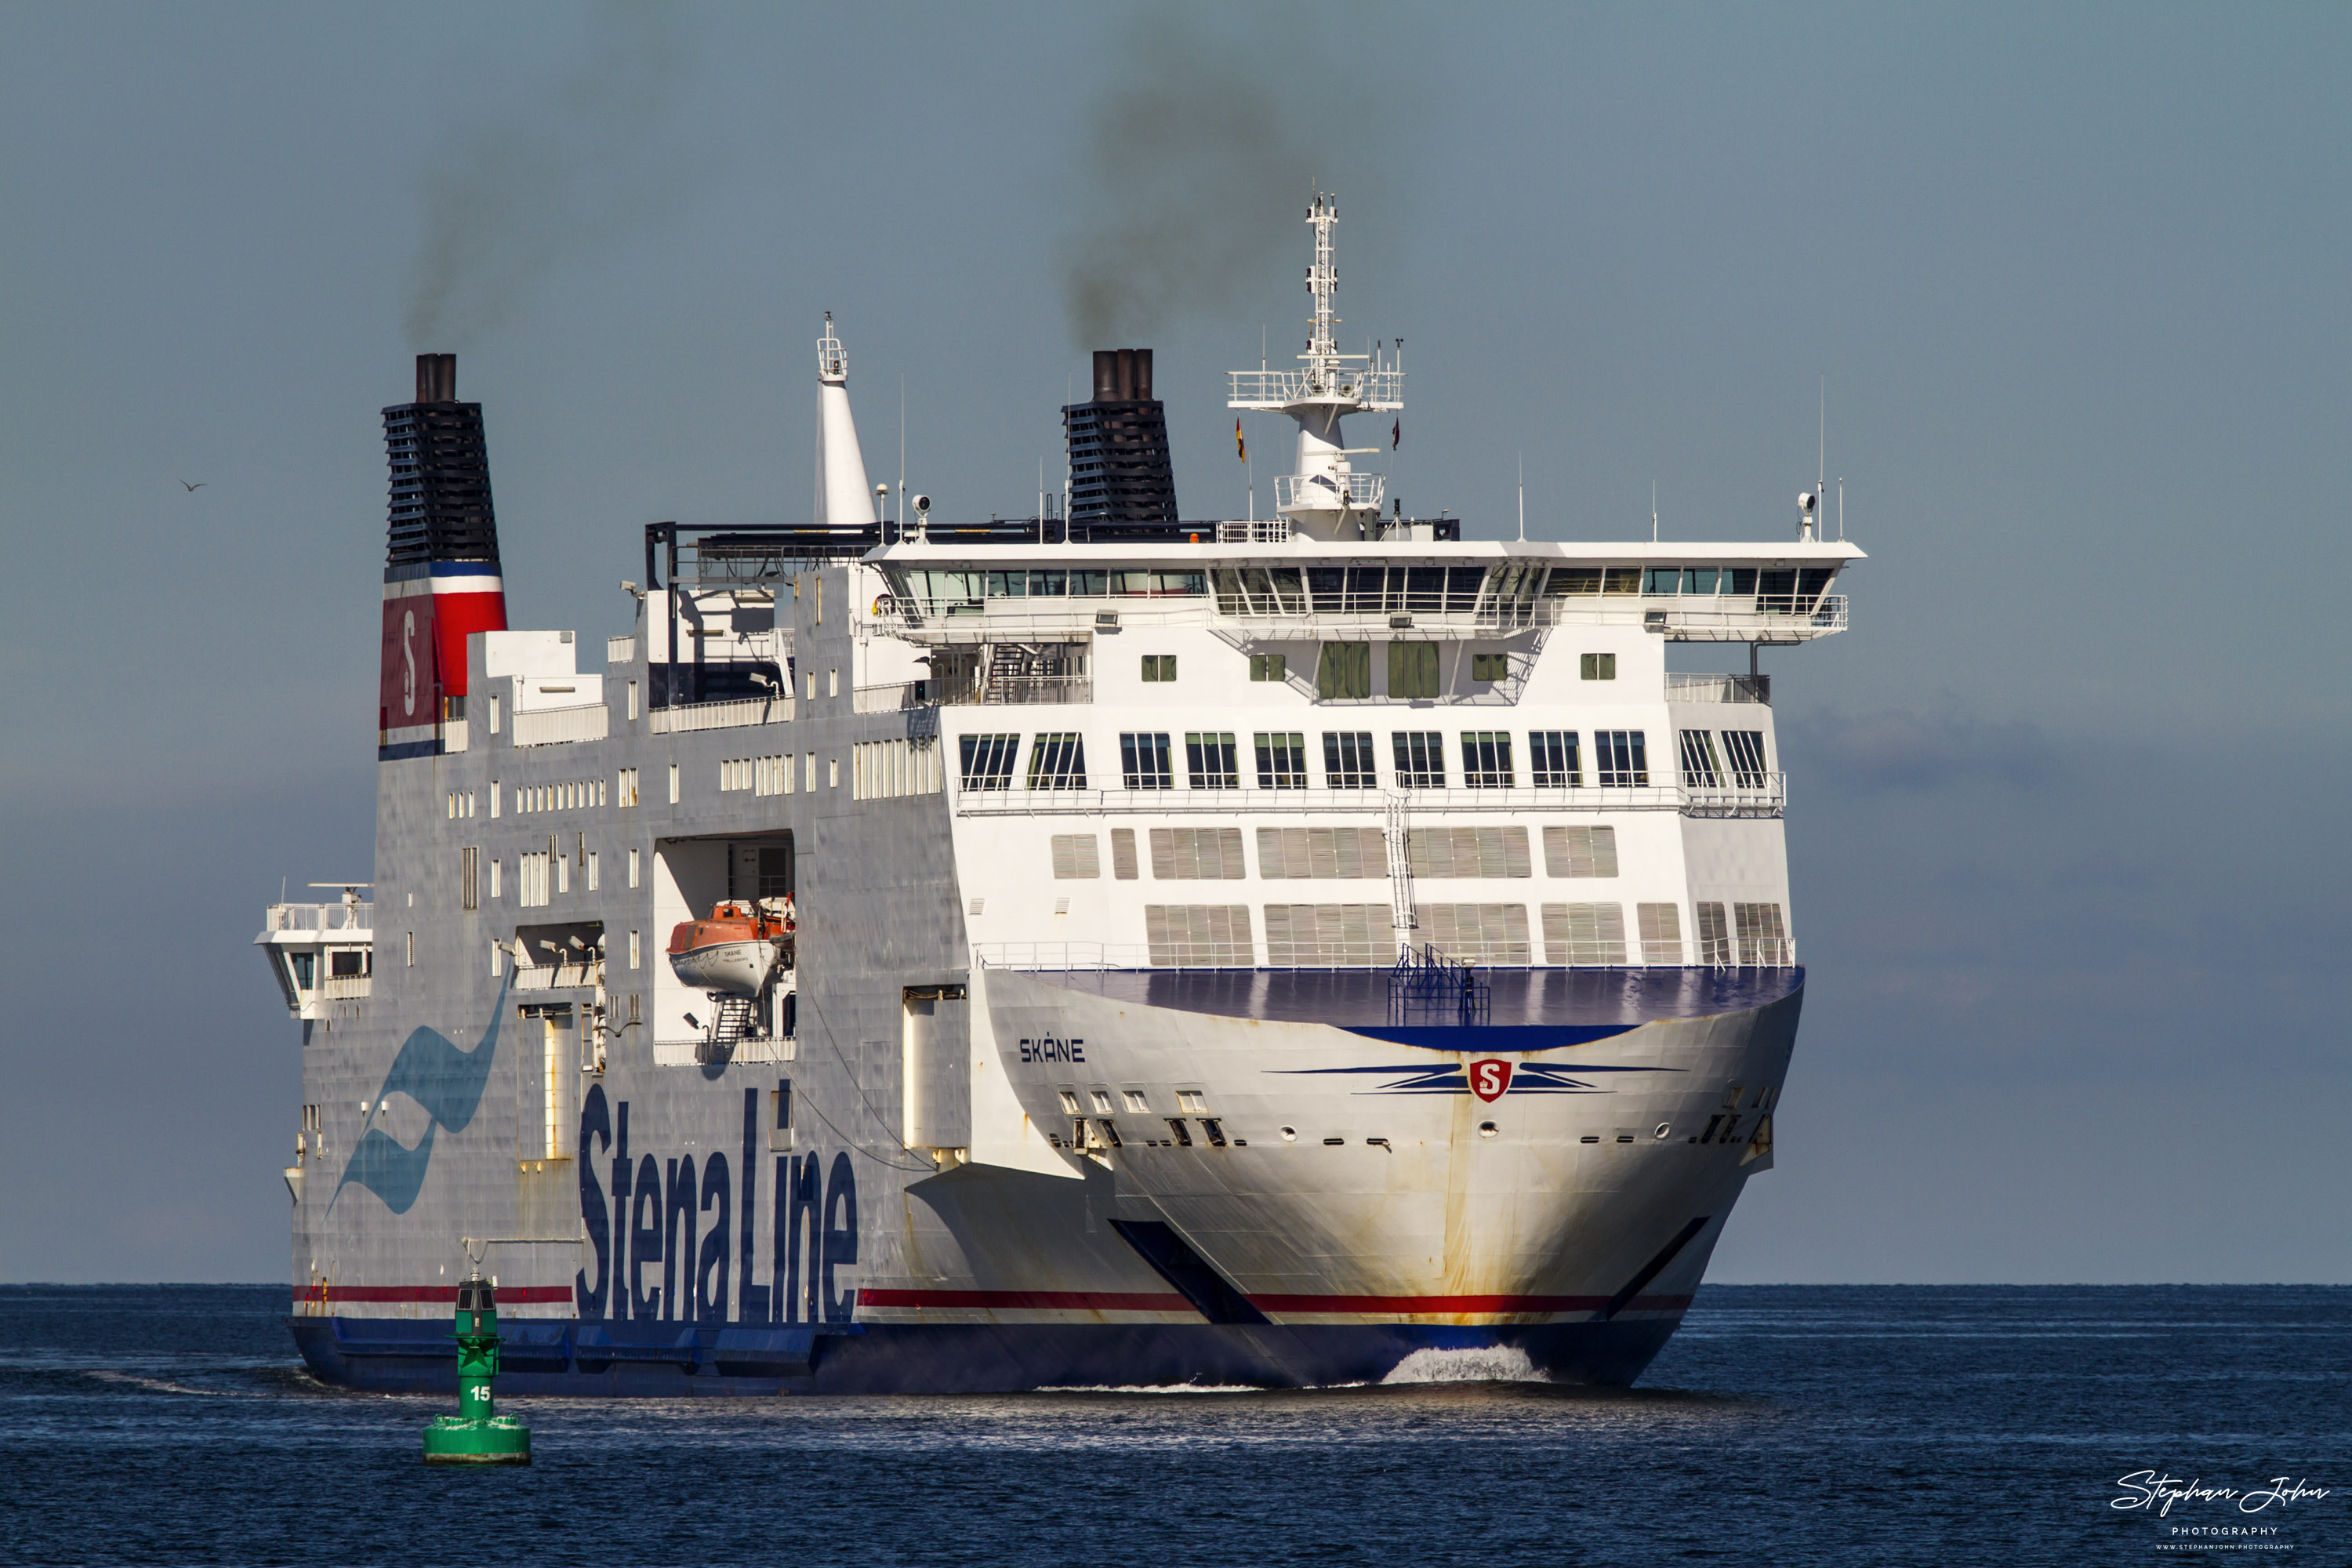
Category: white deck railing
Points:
column 562, row 726
column 621, row 650
column 973, row 801
column 1373, row 616
column 345, row 987
column 1683, row 688
column 553, row 977
column 729, row 715
column 356, row 919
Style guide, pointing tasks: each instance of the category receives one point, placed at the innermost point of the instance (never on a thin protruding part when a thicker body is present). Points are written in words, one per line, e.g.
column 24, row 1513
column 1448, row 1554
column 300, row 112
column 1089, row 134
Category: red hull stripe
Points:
column 1137, row 1301
column 1454, row 1304
column 1039, row 1300
column 516, row 1294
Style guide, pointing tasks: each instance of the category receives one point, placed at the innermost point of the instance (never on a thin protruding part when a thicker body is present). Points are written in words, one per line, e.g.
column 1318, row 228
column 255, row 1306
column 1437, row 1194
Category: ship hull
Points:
column 409, row 1356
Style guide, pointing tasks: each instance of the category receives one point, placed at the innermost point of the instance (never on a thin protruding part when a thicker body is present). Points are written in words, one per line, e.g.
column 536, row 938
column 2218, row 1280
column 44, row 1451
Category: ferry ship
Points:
column 890, row 973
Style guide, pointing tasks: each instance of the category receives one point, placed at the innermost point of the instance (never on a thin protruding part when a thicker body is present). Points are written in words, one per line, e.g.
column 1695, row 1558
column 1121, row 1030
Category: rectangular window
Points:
column 1487, row 759
column 1620, row 580
column 1482, row 933
column 1584, row 933
column 628, row 787
column 1328, row 936
column 1209, row 762
column 1737, row 579
column 673, row 783
column 1159, row 668
column 1597, row 667
column 1200, row 934
column 1553, row 757
column 1269, row 667
column 1700, row 770
column 411, row 950
column 562, row 864
column 1419, row 758
column 1662, row 932
column 1412, row 670
column 1182, row 854
column 1620, row 756
column 1291, row 853
column 1347, row 760
column 1468, row 852
column 496, row 893
column 637, row 949
column 1714, row 935
column 592, row 871
column 1343, row 670
column 1580, row 851
column 469, row 892
column 1662, row 580
column 633, row 701
column 833, row 683
column 1058, row 762
column 1281, row 761
column 1745, row 749
column 494, row 797
column 1490, row 667
column 988, row 761
column 1122, row 853
column 1763, row 936
column 1144, row 762
column 533, row 878
column 1074, row 859
column 633, row 867
column 832, row 773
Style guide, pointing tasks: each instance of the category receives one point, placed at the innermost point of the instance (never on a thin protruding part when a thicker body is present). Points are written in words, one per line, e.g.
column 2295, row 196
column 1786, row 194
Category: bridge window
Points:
column 1746, row 749
column 1487, row 759
column 1490, row 667
column 1144, row 763
column 1700, row 770
column 1209, row 760
column 1281, row 761
column 1347, row 760
column 988, row 761
column 1552, row 753
column 1621, row 757
column 1269, row 667
column 1159, row 668
column 1419, row 758
column 1597, row 667
column 1058, row 762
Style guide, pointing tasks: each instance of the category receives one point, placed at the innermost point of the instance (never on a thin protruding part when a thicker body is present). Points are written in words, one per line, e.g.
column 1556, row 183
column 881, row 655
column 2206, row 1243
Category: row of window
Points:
column 1316, row 936
column 1368, row 590
column 539, row 875
column 576, row 794
column 1487, row 759
column 1359, row 853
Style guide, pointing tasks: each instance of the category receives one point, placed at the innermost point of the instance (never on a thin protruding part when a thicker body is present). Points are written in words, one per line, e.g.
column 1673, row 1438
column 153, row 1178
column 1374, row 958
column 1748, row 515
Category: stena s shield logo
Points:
column 1490, row 1078
column 408, row 654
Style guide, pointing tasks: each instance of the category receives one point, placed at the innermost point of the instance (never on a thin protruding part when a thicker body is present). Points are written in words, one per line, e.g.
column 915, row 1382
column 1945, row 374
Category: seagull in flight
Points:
column 197, row 486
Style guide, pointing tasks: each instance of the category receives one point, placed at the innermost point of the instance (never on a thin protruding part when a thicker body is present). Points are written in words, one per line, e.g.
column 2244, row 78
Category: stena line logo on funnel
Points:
column 1490, row 1079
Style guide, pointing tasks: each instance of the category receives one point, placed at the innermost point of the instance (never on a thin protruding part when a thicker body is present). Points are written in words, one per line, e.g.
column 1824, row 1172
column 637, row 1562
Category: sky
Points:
column 2068, row 281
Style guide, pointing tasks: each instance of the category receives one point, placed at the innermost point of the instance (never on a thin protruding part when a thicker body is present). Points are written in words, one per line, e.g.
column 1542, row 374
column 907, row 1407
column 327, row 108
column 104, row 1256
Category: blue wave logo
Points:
column 449, row 1083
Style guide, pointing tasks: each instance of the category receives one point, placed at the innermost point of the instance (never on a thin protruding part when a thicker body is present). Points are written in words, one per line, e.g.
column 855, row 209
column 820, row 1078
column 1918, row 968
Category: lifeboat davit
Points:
column 733, row 952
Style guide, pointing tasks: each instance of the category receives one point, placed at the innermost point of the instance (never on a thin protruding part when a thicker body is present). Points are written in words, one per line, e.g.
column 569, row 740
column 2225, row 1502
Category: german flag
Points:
column 1241, row 448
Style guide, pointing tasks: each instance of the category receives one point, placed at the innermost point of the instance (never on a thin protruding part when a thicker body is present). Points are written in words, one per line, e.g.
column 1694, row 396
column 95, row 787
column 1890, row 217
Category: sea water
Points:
column 1782, row 1425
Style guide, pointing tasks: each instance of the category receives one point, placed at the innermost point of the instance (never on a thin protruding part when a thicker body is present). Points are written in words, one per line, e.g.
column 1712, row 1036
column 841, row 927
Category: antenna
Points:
column 902, row 453
column 1822, row 462
column 1523, row 498
column 1654, row 511
column 1841, row 509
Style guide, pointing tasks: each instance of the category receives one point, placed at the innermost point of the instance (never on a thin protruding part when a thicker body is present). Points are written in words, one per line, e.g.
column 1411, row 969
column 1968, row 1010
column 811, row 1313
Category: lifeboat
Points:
column 735, row 950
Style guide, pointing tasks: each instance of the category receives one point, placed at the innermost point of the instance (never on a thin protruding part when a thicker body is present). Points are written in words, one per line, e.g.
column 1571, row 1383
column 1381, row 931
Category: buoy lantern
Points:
column 476, row 1435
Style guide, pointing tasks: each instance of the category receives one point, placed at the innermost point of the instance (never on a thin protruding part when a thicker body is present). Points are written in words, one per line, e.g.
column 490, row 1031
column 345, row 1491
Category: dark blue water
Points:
column 1784, row 1424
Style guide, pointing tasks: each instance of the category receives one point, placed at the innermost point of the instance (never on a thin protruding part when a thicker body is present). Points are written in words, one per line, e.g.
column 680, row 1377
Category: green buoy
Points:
column 476, row 1435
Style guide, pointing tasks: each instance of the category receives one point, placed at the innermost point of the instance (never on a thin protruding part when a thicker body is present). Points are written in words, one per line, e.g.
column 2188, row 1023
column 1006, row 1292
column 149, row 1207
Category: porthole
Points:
column 1487, row 1130
column 1663, row 1129
column 1290, row 1135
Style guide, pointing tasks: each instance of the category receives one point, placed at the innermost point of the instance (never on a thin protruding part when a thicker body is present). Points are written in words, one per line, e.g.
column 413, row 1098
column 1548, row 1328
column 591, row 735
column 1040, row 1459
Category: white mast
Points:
column 1325, row 499
column 844, row 500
